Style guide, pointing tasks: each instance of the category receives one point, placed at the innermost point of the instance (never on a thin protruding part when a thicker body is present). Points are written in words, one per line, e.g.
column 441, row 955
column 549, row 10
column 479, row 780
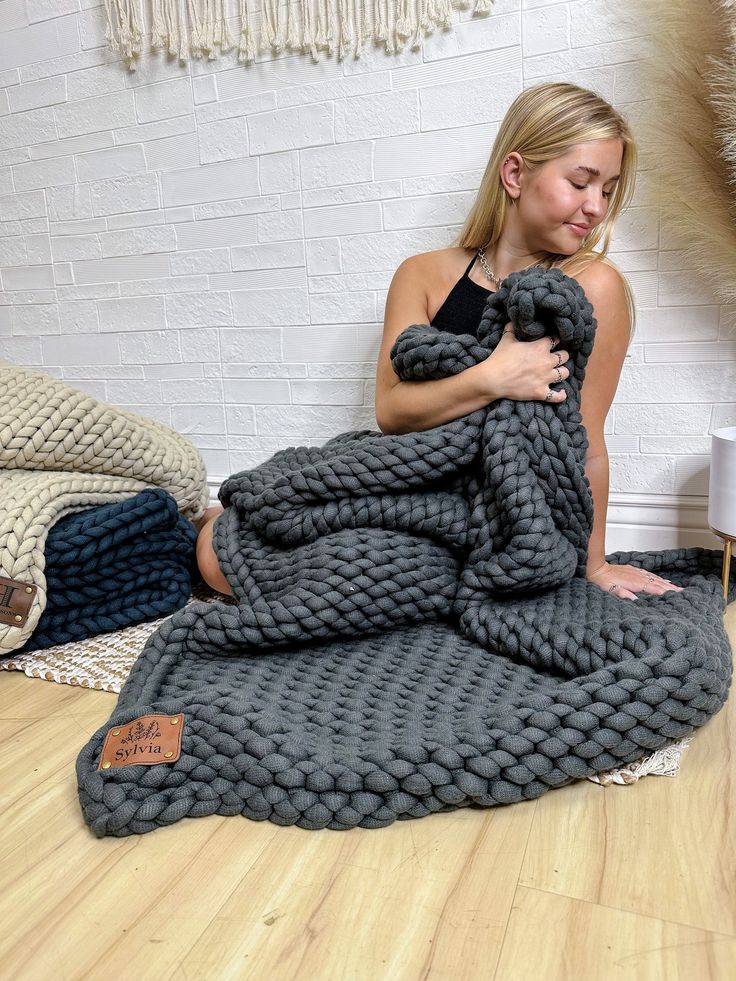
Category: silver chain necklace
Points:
column 489, row 273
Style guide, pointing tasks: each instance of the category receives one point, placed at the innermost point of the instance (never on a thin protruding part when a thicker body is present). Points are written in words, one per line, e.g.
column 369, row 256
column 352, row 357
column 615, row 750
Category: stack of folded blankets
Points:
column 113, row 566
column 96, row 528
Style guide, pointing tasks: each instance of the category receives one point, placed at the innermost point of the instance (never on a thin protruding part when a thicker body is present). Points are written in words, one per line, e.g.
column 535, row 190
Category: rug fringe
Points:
column 663, row 762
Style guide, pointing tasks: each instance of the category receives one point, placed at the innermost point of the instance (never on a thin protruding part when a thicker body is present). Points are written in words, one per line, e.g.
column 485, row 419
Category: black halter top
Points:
column 463, row 308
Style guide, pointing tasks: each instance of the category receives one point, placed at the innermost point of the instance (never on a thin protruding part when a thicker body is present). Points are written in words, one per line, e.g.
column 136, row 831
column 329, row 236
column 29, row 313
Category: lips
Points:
column 580, row 229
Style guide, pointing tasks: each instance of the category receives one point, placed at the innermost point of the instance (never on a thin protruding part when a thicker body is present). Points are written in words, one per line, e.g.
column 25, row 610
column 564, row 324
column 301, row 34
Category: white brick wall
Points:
column 211, row 245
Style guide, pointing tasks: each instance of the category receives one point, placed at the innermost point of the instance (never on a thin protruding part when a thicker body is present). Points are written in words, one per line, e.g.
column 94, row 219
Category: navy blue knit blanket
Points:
column 113, row 566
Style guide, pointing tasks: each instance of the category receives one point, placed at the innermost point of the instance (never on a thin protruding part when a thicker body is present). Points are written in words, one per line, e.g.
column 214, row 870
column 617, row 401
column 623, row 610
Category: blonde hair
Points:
column 542, row 123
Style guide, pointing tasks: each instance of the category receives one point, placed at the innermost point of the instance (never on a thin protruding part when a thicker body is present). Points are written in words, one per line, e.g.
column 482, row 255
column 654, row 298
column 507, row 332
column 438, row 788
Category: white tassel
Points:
column 392, row 41
column 208, row 30
column 170, row 33
column 663, row 762
column 403, row 22
column 429, row 21
column 246, row 45
column 123, row 32
column 366, row 28
column 181, row 30
column 381, row 25
column 196, row 28
column 292, row 35
column 221, row 33
column 170, row 28
column 112, row 25
column 268, row 32
column 330, row 36
column 482, row 7
column 208, row 27
column 346, row 32
column 360, row 18
column 158, row 28
column 419, row 29
column 280, row 28
column 443, row 13
column 308, row 37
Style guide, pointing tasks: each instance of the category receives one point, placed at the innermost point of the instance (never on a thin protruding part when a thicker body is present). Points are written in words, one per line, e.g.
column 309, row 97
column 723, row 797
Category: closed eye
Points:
column 581, row 187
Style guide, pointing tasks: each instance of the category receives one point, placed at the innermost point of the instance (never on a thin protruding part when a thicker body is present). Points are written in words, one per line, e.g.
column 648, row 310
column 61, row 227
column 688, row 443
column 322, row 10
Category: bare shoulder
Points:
column 441, row 262
column 606, row 290
column 601, row 280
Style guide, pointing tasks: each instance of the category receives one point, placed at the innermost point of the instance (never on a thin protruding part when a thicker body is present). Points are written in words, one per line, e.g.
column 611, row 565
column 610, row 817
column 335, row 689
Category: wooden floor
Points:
column 584, row 883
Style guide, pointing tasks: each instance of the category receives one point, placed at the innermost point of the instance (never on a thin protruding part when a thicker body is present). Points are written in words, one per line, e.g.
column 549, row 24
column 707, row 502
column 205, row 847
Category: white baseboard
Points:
column 638, row 522
column 656, row 521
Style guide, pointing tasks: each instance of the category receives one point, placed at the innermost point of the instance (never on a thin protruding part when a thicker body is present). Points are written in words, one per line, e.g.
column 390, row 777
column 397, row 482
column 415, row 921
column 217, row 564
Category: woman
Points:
column 561, row 170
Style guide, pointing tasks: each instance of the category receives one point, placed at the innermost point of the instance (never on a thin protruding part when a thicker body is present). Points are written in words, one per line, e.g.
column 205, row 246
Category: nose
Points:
column 595, row 207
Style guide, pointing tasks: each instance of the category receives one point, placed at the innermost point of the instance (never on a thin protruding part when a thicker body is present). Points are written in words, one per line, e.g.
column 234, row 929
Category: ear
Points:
column 510, row 173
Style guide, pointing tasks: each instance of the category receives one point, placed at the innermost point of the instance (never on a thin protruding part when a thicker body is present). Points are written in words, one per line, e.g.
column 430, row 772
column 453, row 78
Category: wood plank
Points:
column 22, row 697
column 419, row 898
column 562, row 939
column 207, row 890
column 664, row 846
column 585, row 882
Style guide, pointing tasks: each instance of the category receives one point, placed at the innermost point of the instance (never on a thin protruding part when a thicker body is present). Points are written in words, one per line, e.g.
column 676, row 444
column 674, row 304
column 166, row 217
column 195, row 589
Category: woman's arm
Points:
column 413, row 406
column 604, row 288
column 596, row 470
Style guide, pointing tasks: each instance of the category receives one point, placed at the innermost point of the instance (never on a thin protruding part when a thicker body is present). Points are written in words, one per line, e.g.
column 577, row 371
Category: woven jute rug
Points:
column 102, row 662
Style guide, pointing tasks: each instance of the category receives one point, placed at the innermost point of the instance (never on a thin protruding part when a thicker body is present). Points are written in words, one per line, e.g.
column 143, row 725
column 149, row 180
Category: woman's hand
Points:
column 524, row 370
column 628, row 580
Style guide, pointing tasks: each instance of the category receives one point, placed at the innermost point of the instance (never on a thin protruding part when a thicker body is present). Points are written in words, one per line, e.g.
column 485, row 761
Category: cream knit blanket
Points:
column 63, row 451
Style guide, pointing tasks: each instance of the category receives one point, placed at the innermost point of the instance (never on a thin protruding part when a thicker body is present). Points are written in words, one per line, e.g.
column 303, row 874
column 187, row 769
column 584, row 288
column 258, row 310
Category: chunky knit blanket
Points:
column 114, row 566
column 62, row 451
column 413, row 630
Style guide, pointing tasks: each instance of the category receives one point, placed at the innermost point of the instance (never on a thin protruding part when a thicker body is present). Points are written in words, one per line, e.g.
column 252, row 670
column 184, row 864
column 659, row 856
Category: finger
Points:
column 661, row 579
column 660, row 586
column 621, row 592
column 654, row 588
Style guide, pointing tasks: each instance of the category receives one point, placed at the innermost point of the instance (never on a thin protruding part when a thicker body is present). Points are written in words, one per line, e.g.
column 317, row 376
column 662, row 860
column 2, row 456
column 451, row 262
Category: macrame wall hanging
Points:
column 200, row 28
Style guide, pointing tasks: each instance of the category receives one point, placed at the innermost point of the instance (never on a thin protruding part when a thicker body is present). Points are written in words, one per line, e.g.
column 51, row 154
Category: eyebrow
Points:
column 594, row 171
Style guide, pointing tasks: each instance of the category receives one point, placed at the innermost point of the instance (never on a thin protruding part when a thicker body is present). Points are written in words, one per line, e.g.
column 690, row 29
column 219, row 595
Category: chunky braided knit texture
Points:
column 48, row 425
column 63, row 451
column 412, row 629
column 113, row 566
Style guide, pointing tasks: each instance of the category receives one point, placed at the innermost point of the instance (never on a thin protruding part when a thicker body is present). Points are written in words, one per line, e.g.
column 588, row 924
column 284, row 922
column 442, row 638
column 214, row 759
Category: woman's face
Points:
column 562, row 193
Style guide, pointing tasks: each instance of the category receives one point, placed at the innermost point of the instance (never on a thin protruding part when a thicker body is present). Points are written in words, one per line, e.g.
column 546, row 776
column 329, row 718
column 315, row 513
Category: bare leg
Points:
column 207, row 562
column 209, row 513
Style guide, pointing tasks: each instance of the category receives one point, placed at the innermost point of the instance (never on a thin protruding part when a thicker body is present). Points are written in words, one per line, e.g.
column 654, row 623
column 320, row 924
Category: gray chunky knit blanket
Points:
column 412, row 630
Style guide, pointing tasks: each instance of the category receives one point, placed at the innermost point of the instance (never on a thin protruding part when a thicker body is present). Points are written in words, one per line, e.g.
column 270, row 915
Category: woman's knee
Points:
column 207, row 562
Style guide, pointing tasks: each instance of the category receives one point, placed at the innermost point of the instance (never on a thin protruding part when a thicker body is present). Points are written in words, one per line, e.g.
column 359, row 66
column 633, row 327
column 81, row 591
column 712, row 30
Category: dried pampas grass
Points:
column 692, row 143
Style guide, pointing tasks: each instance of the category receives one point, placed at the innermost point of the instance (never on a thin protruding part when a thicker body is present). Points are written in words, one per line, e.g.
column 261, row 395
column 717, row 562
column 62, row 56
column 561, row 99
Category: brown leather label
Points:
column 149, row 739
column 16, row 598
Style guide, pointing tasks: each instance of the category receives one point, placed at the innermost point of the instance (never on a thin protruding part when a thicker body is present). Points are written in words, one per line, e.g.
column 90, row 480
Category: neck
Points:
column 504, row 258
